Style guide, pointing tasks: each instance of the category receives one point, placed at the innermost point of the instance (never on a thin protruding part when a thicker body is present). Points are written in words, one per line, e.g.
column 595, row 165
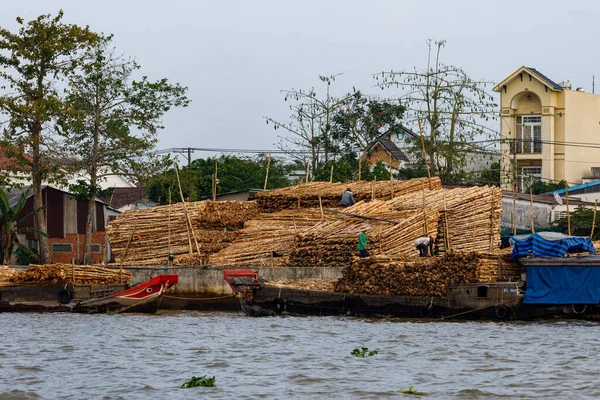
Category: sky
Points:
column 236, row 56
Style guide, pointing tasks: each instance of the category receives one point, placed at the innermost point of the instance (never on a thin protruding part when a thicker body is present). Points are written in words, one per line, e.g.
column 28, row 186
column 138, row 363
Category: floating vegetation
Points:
column 199, row 381
column 412, row 391
column 363, row 352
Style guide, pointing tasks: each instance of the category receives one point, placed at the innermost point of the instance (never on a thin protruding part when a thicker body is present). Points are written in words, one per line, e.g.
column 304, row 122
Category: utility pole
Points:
column 189, row 149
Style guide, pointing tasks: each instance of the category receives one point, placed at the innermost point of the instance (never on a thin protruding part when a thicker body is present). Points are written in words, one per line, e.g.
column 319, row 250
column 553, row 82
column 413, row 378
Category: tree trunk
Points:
column 40, row 219
column 38, row 203
column 89, row 225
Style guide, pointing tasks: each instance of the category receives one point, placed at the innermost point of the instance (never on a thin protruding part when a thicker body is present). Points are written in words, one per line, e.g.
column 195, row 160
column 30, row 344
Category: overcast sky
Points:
column 236, row 56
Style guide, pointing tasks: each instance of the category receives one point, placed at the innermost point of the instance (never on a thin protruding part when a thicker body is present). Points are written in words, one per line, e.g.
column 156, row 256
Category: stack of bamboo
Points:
column 268, row 239
column 148, row 236
column 67, row 273
column 470, row 217
column 400, row 276
column 332, row 243
column 325, row 194
column 6, row 273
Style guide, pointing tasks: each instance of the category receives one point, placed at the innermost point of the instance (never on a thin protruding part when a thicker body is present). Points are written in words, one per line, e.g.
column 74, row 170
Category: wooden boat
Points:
column 553, row 287
column 113, row 298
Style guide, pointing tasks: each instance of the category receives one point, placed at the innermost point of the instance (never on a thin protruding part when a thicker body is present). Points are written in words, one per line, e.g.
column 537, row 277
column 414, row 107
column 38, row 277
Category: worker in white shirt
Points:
column 422, row 244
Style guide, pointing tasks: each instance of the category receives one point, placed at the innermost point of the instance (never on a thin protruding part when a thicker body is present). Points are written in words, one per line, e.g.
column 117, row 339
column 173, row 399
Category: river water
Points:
column 68, row 356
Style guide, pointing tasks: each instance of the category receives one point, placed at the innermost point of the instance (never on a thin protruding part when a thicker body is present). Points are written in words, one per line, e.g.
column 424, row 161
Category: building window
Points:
column 96, row 248
column 62, row 247
column 529, row 134
column 528, row 176
column 559, row 215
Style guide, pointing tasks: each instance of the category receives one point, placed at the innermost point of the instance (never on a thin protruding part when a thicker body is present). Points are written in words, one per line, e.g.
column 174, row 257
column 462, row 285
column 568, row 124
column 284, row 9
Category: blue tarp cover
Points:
column 549, row 244
column 562, row 285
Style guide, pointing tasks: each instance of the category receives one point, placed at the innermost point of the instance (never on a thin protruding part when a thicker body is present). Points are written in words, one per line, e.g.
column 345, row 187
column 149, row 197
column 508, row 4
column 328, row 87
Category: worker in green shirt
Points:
column 362, row 243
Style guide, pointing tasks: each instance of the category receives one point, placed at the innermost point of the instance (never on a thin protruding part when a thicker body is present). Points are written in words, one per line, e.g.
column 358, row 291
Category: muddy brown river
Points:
column 62, row 356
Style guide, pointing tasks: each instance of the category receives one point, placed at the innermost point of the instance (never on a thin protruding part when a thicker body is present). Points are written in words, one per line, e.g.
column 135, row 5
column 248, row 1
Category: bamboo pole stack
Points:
column 333, row 242
column 268, row 239
column 469, row 220
column 307, row 195
column 68, row 273
column 7, row 273
column 159, row 230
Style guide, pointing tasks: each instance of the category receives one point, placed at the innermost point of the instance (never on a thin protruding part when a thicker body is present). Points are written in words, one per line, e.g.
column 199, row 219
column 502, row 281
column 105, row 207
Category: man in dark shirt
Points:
column 347, row 198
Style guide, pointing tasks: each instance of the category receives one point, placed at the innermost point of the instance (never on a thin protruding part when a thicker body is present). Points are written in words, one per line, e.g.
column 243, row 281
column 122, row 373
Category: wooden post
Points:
column 594, row 220
column 215, row 177
column 169, row 239
column 321, row 206
column 391, row 176
column 492, row 219
column 372, row 192
column 307, row 177
column 331, row 175
column 568, row 214
column 187, row 217
column 514, row 216
column 267, row 176
column 425, row 153
column 445, row 214
column 424, row 213
column 359, row 167
column 473, row 236
column 531, row 210
column 125, row 256
column 448, row 248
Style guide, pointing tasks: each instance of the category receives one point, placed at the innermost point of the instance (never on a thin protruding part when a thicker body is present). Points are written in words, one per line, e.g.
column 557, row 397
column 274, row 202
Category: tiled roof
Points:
column 543, row 77
column 123, row 196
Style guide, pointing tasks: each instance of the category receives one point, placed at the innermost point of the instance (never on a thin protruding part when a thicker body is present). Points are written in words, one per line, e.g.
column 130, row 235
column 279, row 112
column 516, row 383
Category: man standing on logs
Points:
column 422, row 244
column 347, row 198
column 362, row 244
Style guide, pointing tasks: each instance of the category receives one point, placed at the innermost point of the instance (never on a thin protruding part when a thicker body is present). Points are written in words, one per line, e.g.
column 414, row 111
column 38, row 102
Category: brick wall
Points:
column 77, row 243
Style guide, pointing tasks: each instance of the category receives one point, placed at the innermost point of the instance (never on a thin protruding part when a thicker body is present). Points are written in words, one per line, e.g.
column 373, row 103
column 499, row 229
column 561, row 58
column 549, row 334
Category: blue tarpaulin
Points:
column 549, row 244
column 562, row 285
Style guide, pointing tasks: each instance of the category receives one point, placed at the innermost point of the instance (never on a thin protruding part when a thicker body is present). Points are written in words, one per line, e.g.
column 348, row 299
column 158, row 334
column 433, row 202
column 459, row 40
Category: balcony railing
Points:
column 521, row 146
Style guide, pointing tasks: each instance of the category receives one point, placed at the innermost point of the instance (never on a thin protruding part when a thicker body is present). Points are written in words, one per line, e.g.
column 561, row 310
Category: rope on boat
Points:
column 199, row 298
column 470, row 311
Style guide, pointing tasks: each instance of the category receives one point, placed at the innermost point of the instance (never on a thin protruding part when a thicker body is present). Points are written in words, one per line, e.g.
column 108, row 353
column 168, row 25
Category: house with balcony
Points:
column 548, row 131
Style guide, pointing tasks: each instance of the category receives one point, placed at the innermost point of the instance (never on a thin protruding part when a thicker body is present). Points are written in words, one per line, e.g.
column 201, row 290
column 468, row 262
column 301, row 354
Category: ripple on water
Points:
column 138, row 356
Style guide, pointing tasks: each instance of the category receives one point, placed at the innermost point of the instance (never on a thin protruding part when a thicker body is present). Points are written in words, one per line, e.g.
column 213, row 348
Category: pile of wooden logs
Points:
column 333, row 242
column 417, row 277
column 325, row 285
column 428, row 276
column 68, row 273
column 469, row 220
column 146, row 237
column 6, row 273
column 325, row 194
column 268, row 239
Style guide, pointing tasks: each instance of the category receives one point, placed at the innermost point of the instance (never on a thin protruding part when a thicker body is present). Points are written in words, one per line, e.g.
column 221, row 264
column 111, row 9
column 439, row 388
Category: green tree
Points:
column 233, row 174
column 361, row 120
column 452, row 107
column 34, row 62
column 581, row 223
column 111, row 121
column 11, row 224
column 308, row 131
column 539, row 187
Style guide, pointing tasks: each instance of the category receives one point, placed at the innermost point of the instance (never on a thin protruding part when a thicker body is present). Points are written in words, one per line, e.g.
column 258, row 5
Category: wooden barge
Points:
column 553, row 287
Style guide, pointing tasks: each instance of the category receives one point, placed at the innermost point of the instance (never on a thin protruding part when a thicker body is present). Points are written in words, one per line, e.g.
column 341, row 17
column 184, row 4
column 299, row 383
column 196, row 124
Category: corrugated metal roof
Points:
column 572, row 189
